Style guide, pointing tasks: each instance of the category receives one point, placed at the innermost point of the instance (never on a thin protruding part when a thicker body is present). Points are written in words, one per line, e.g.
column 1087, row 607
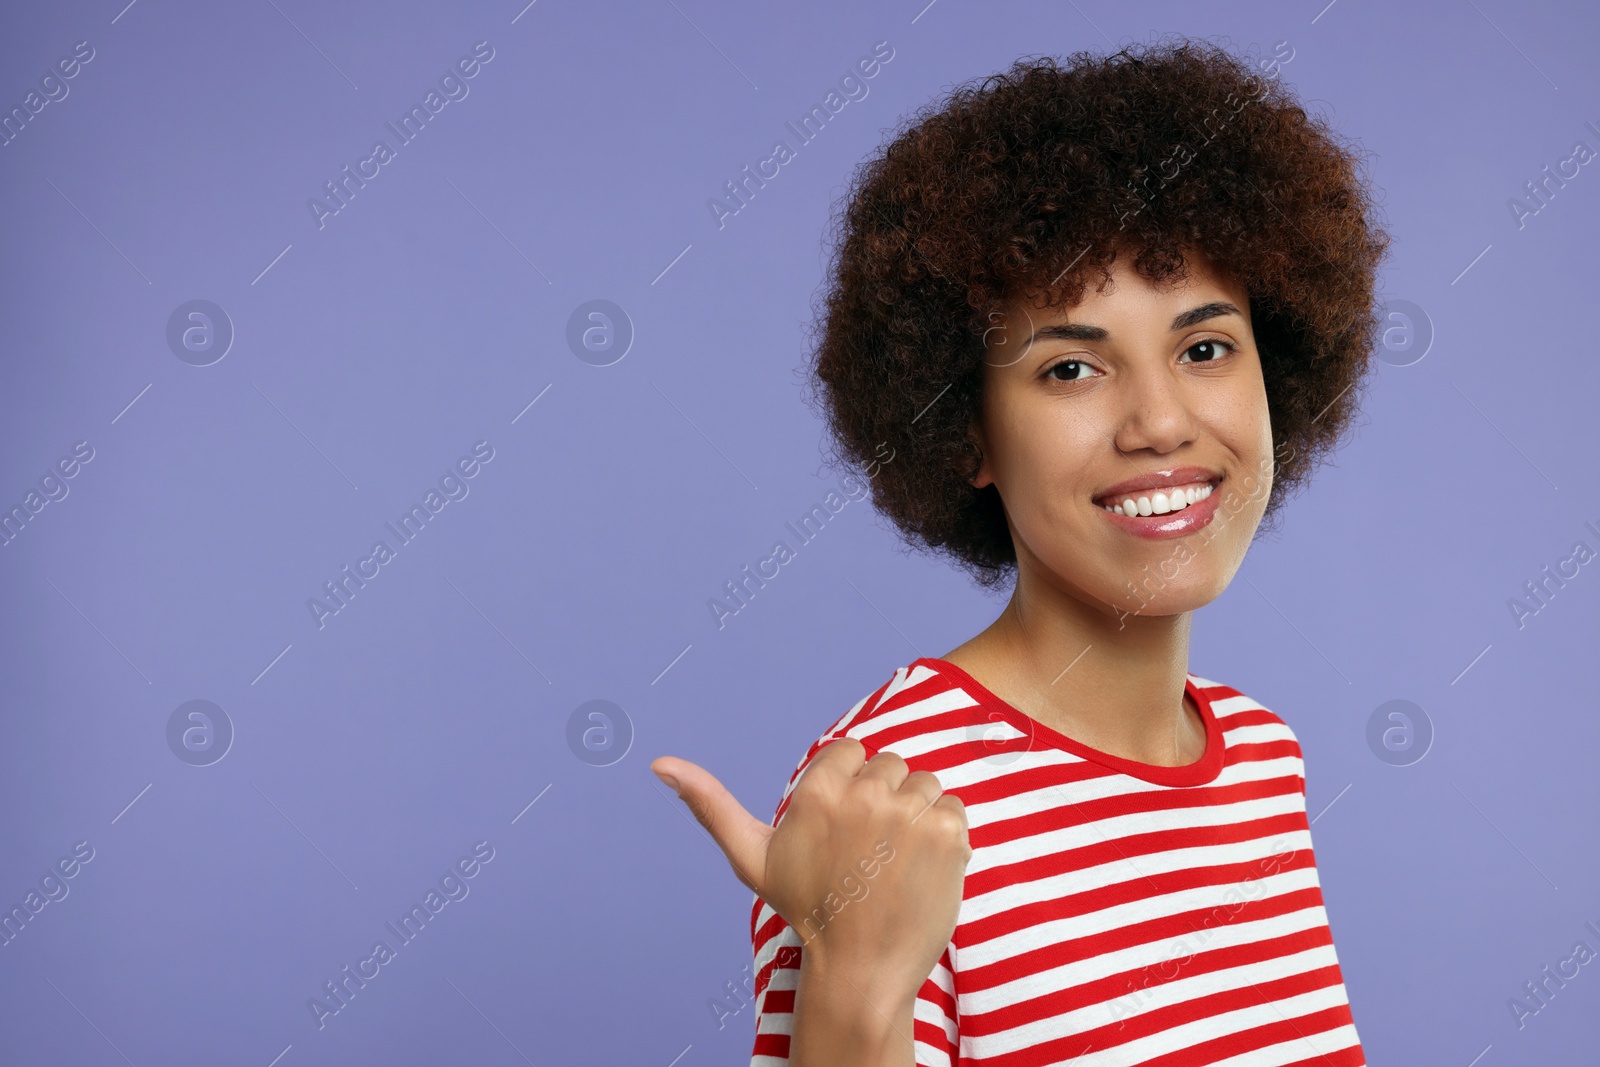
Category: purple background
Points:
column 427, row 714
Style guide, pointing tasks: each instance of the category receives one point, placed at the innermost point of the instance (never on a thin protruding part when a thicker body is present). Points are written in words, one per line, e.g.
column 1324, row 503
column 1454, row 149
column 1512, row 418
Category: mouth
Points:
column 1176, row 492
column 1168, row 508
column 1144, row 502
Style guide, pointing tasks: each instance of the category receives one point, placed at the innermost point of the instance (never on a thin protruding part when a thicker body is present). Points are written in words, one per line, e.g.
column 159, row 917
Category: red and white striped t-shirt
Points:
column 1113, row 912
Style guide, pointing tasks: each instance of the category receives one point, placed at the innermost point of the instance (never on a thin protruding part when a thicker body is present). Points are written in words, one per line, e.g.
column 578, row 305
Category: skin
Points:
column 1072, row 648
column 1061, row 421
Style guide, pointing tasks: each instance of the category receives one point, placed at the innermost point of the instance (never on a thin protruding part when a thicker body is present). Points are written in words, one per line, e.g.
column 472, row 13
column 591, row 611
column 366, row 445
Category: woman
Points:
column 1108, row 315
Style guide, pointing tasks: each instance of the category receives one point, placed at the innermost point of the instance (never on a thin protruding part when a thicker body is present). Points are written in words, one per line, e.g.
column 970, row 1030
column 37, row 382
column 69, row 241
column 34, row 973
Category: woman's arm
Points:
column 838, row 1024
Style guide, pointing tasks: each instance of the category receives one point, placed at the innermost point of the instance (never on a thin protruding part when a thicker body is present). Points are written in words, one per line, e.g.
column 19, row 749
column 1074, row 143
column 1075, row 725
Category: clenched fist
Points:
column 850, row 821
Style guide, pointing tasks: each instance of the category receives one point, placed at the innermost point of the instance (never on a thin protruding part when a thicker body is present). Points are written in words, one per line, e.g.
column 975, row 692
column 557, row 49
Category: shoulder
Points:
column 915, row 700
column 1251, row 729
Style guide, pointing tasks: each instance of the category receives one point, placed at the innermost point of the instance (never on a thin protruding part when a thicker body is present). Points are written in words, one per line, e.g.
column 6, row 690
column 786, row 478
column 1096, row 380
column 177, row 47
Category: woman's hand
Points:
column 866, row 865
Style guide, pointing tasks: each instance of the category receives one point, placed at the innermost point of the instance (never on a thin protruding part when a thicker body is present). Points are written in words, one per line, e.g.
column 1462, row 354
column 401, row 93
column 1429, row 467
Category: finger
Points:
column 840, row 758
column 953, row 803
column 923, row 785
column 886, row 765
column 742, row 837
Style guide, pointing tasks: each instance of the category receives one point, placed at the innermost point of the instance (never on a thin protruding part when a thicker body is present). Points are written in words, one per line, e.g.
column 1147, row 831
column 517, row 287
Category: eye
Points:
column 1071, row 366
column 1214, row 349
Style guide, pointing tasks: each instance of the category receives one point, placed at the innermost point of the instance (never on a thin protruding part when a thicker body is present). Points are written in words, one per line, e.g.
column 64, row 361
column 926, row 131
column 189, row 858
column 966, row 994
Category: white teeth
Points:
column 1162, row 501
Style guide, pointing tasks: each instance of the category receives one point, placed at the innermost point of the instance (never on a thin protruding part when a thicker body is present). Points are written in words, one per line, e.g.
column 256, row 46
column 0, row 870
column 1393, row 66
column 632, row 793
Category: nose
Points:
column 1156, row 412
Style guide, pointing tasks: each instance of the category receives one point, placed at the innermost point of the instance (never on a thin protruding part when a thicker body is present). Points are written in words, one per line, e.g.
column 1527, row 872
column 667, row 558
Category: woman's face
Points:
column 1136, row 380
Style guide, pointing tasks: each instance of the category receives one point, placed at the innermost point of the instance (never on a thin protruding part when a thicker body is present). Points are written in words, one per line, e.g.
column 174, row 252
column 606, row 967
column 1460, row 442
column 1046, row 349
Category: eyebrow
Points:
column 1078, row 331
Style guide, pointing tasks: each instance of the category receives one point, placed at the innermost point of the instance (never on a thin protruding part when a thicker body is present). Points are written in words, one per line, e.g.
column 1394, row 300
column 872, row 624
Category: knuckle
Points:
column 700, row 810
column 916, row 808
column 889, row 759
column 870, row 793
column 808, row 786
column 845, row 745
column 951, row 822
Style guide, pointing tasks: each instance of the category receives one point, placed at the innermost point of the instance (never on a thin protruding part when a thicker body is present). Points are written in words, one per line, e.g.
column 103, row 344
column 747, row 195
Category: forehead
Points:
column 1128, row 291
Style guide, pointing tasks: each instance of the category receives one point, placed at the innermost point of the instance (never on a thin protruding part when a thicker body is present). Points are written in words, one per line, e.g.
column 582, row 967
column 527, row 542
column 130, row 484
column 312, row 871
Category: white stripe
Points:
column 1120, row 869
column 1050, row 797
column 1260, row 733
column 1294, row 1051
column 935, row 704
column 1115, row 827
column 1166, row 956
column 1189, row 1034
column 1095, row 1016
column 1054, row 931
column 905, row 678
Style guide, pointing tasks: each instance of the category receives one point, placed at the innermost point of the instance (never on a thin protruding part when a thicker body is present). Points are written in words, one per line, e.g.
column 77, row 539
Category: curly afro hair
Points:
column 1029, row 181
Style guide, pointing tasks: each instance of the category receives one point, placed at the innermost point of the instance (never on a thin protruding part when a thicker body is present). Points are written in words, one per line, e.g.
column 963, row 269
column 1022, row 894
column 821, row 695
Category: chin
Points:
column 1151, row 595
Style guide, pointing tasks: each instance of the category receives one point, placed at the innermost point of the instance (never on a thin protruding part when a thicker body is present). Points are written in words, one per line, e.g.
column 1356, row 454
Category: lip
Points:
column 1158, row 480
column 1196, row 516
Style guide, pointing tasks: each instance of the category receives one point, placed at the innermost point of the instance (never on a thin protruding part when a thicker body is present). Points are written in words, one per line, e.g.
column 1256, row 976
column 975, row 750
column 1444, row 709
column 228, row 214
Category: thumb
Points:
column 742, row 837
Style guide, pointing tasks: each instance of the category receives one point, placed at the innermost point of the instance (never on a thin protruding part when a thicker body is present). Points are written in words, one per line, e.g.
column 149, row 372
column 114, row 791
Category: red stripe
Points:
column 1165, row 928
column 1131, row 989
column 1131, row 847
column 1133, row 889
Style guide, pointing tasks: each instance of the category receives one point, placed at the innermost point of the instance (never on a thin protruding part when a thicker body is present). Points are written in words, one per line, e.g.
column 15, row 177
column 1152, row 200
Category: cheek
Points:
column 1237, row 417
column 1040, row 465
column 1253, row 404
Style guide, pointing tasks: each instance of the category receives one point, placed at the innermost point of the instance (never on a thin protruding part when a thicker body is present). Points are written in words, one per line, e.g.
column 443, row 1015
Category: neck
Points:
column 1114, row 682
